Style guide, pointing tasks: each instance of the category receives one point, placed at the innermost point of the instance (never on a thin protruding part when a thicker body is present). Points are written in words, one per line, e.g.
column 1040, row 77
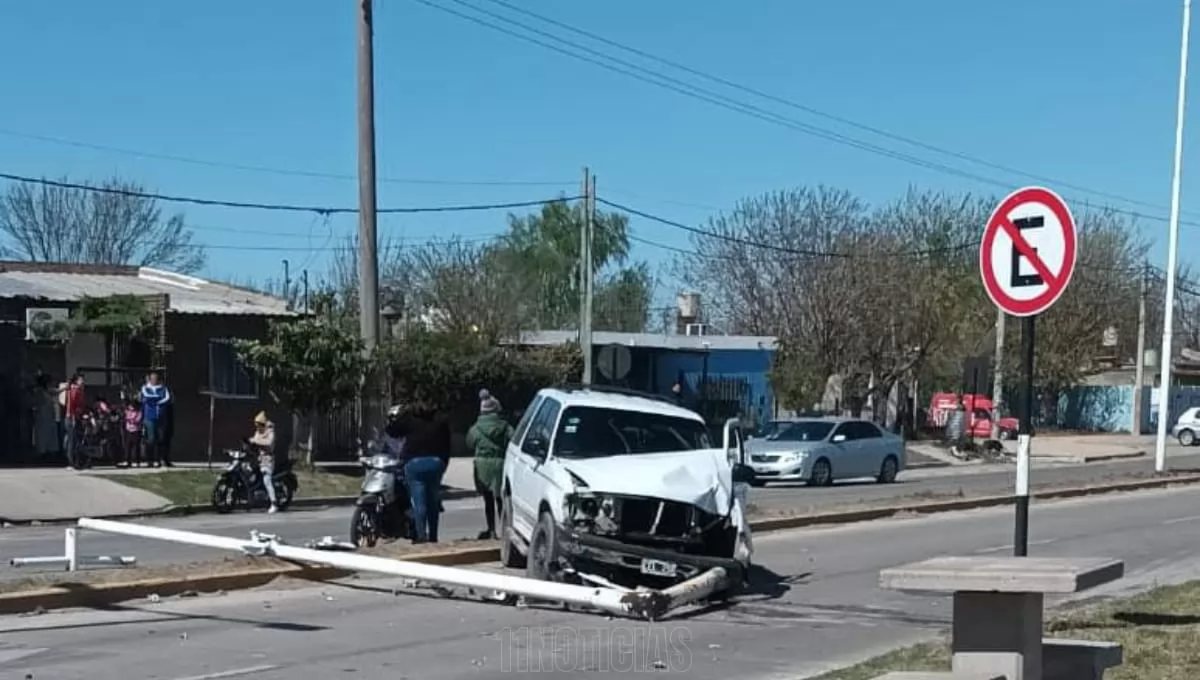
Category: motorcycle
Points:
column 383, row 509
column 242, row 483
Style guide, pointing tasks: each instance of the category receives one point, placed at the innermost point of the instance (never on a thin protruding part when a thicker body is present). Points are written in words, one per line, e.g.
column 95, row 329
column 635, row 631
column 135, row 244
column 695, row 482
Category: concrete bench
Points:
column 998, row 606
column 1079, row 659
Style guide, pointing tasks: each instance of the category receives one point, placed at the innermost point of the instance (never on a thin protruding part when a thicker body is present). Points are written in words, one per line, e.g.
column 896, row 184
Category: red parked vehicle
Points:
column 979, row 415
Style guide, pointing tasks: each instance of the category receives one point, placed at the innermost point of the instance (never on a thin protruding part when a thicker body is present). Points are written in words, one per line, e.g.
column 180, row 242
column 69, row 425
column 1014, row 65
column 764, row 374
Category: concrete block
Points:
column 998, row 633
column 1079, row 659
column 999, row 574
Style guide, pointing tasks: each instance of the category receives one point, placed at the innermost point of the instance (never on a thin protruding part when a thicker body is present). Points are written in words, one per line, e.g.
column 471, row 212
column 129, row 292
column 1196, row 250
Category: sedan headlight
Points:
column 793, row 457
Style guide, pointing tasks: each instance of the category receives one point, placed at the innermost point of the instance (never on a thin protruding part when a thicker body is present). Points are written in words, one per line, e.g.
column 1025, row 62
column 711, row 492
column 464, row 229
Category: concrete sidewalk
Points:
column 39, row 494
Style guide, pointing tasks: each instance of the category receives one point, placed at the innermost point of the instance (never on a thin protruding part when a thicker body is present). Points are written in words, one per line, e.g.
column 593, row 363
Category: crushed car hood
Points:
column 702, row 478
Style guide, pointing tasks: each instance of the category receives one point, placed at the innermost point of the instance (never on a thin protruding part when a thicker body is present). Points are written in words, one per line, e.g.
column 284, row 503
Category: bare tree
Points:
column 112, row 222
column 467, row 288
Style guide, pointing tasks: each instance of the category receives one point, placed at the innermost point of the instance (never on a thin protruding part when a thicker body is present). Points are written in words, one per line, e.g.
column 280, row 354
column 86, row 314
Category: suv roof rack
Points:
column 612, row 389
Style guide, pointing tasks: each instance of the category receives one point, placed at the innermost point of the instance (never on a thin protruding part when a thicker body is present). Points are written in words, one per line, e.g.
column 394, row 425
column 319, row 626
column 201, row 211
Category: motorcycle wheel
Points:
column 364, row 528
column 224, row 497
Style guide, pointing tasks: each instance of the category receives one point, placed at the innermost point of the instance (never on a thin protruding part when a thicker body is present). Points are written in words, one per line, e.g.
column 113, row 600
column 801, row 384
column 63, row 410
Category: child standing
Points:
column 133, row 434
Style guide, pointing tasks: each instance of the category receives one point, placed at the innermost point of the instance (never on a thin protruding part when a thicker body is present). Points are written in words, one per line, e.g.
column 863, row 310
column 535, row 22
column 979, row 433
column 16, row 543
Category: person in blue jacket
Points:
column 156, row 398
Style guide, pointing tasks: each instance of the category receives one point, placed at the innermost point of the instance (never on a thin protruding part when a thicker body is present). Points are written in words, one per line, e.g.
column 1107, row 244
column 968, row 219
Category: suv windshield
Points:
column 798, row 431
column 589, row 432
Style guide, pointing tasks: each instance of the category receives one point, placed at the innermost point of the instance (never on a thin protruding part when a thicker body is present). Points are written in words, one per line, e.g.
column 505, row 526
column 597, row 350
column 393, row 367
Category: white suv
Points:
column 602, row 484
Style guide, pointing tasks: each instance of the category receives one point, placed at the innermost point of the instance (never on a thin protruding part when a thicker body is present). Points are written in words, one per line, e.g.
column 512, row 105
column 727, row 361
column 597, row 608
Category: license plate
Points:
column 658, row 567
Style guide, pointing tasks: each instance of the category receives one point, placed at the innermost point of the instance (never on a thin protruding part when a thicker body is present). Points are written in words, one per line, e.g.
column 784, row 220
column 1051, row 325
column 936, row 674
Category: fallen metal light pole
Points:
column 649, row 604
column 71, row 560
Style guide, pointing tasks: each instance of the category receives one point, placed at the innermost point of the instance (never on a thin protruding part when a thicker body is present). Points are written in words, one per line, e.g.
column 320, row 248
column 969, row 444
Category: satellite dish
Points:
column 614, row 361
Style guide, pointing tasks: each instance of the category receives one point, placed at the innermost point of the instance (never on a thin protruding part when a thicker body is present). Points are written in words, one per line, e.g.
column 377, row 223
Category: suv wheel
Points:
column 509, row 555
column 542, row 560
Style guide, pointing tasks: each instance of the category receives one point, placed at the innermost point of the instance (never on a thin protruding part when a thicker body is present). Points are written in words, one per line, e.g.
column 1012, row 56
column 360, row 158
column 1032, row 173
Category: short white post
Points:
column 69, row 549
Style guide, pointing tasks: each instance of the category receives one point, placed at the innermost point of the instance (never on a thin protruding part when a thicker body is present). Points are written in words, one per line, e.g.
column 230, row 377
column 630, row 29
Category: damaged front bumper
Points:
column 620, row 561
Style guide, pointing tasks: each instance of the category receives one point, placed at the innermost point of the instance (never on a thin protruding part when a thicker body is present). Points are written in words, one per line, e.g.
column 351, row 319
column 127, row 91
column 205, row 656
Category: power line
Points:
column 327, row 247
column 269, row 169
column 803, row 252
column 809, row 109
column 643, row 74
column 640, row 73
column 285, row 207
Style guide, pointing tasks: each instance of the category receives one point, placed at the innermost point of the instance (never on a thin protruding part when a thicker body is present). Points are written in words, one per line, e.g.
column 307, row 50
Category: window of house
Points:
column 227, row 375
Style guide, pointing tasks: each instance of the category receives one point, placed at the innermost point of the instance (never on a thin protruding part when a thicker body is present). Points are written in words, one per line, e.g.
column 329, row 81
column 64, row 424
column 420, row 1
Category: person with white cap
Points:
column 263, row 441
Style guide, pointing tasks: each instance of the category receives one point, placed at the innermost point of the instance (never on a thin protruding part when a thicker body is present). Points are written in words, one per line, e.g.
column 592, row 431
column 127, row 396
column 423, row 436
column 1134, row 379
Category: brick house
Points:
column 215, row 396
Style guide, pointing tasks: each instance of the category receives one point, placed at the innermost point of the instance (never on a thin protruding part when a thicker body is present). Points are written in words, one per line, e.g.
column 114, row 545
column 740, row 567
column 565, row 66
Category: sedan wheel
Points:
column 887, row 473
column 822, row 474
column 1187, row 438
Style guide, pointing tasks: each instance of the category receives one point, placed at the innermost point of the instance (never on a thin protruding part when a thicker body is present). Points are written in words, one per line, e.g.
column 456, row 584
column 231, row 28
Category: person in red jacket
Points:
column 71, row 414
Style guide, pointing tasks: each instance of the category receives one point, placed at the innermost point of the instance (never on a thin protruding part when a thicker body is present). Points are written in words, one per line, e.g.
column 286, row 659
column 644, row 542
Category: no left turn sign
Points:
column 1028, row 251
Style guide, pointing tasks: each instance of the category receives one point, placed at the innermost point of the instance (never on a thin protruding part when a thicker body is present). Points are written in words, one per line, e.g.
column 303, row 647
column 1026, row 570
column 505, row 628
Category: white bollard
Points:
column 69, row 549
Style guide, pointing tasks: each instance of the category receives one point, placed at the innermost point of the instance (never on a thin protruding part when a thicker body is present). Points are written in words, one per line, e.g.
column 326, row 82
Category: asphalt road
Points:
column 820, row 609
column 464, row 519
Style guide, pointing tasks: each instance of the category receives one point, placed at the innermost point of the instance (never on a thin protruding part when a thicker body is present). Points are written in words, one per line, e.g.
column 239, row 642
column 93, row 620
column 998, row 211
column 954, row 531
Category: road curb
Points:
column 65, row 595
column 68, row 595
column 189, row 510
column 959, row 504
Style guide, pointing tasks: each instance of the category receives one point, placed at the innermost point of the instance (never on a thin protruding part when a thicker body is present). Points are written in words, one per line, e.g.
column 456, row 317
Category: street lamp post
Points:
column 1164, row 384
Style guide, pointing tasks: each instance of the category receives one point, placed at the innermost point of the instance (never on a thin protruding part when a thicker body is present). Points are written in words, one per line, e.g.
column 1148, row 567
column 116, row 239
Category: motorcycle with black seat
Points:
column 241, row 484
column 383, row 510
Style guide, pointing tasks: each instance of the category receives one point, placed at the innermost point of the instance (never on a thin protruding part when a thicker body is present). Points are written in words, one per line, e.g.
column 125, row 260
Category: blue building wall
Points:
column 1097, row 408
column 752, row 366
column 1110, row 408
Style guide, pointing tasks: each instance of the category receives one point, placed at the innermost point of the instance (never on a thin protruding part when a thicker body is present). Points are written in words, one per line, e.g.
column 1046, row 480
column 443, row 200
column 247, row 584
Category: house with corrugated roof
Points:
column 190, row 343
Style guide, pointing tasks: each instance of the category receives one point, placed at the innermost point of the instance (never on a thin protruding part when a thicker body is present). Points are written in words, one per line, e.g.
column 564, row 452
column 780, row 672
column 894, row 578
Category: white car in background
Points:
column 820, row 451
column 601, row 483
column 1187, row 428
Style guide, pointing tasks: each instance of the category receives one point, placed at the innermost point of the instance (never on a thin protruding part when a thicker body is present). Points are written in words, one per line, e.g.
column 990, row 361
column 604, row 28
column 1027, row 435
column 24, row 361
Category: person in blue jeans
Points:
column 426, row 453
column 156, row 398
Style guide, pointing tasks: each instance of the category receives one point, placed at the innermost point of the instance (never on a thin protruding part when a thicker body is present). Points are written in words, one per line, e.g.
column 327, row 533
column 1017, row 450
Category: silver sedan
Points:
column 820, row 451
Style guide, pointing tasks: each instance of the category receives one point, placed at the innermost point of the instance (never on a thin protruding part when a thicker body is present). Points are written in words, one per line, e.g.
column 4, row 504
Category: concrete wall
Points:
column 1097, row 408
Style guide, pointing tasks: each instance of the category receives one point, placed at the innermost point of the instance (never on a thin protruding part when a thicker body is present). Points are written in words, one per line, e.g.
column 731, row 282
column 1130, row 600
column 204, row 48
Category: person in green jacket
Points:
column 488, row 439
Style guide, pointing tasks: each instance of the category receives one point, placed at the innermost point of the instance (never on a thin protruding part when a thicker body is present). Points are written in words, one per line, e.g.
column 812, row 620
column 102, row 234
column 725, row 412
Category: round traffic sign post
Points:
column 1026, row 259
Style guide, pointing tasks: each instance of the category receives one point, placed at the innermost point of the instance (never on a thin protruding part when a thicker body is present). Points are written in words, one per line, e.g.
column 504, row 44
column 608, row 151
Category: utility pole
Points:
column 305, row 276
column 287, row 284
column 1164, row 383
column 368, row 265
column 998, row 384
column 585, row 273
column 1139, row 370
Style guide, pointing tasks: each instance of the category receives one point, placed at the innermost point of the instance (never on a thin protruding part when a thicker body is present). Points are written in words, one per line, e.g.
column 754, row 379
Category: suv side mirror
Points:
column 839, row 438
column 742, row 474
column 535, row 446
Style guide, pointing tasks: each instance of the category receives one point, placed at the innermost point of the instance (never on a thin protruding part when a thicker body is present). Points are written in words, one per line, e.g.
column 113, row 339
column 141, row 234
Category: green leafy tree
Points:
column 543, row 251
column 312, row 366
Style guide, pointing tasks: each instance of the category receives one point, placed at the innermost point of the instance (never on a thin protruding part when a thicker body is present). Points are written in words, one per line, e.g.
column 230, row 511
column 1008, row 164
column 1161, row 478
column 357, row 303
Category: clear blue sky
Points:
column 1080, row 92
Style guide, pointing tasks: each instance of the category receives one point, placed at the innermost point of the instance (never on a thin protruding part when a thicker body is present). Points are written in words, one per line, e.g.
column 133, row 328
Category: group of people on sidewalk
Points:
column 64, row 423
column 420, row 438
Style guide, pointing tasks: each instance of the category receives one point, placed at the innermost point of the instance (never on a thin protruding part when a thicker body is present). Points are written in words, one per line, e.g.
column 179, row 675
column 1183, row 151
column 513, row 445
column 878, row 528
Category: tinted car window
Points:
column 864, row 430
column 589, row 432
column 526, row 418
column 802, row 431
column 542, row 426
